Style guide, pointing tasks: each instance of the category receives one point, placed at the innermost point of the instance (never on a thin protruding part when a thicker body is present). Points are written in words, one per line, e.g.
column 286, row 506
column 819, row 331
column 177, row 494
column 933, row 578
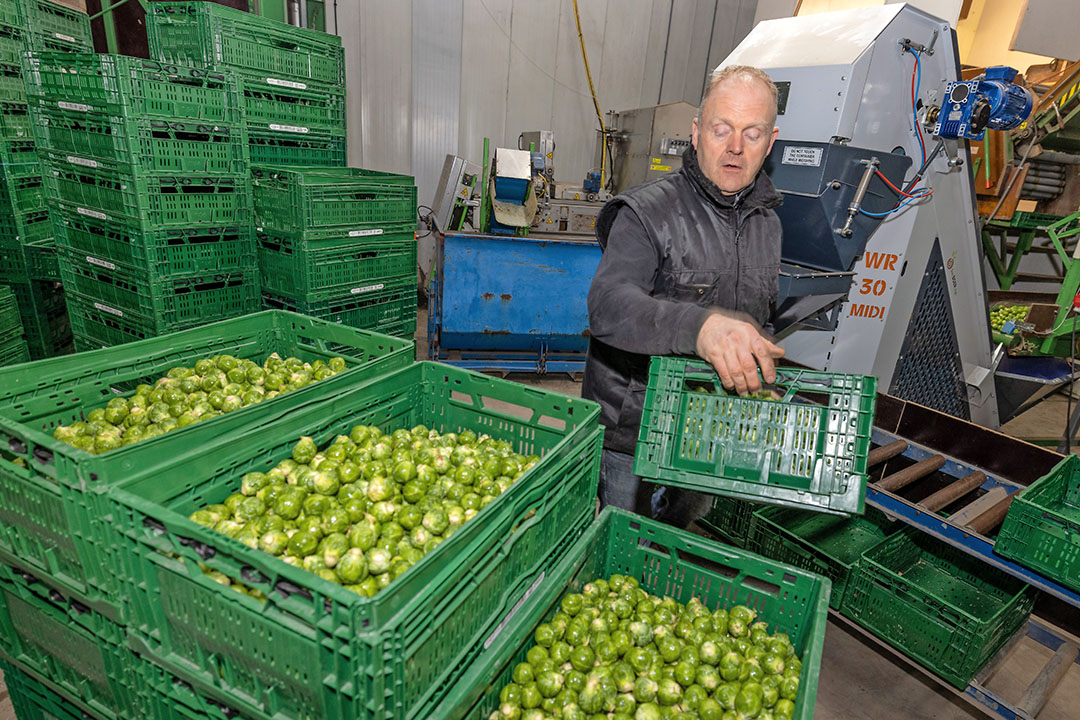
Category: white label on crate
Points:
column 110, row 310
column 82, row 161
column 365, row 233
column 810, row 156
column 287, row 83
column 367, row 288
column 289, row 128
column 92, row 213
column 514, row 611
column 73, row 106
column 100, row 263
column 65, row 38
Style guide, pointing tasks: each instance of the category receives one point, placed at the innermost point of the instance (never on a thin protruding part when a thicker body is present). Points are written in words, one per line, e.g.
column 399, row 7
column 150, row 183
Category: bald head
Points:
column 745, row 75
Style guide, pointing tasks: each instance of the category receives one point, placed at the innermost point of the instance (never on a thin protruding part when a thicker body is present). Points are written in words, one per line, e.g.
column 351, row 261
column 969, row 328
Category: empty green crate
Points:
column 1042, row 528
column 174, row 251
column 730, row 518
column 12, row 87
column 41, row 260
column 170, row 301
column 43, row 308
column 134, row 144
column 11, row 13
column 333, row 202
column 668, row 563
column 9, row 309
column 822, row 544
column 936, row 604
column 46, row 523
column 121, row 85
column 50, row 19
column 198, row 33
column 21, row 195
column 782, row 452
column 33, row 700
column 36, row 42
column 15, row 121
column 290, row 271
column 19, row 159
column 270, row 106
column 380, row 306
column 316, row 649
column 14, row 352
column 12, row 45
column 289, row 149
column 159, row 200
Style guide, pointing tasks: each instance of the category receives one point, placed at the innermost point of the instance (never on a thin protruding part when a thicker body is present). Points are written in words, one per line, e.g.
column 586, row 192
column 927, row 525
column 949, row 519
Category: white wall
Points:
column 431, row 77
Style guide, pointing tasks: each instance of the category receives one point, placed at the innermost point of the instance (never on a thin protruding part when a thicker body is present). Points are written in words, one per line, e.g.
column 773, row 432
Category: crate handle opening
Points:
column 762, row 585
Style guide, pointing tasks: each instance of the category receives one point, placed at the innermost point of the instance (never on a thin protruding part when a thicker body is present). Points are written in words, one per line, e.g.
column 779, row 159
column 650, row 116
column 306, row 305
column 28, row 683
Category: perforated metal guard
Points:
column 929, row 371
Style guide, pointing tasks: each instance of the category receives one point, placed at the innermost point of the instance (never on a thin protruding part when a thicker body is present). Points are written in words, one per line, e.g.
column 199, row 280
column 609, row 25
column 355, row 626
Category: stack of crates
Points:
column 28, row 260
column 12, row 345
column 338, row 244
column 292, row 80
column 146, row 174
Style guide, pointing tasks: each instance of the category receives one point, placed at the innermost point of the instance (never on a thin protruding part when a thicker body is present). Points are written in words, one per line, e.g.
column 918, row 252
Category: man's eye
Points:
column 753, row 136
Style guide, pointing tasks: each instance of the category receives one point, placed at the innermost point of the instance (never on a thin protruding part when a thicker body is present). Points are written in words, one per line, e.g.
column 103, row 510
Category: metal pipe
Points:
column 990, row 519
column 292, row 12
column 955, row 491
column 1054, row 156
column 303, row 14
column 886, row 452
column 908, row 475
column 1043, row 187
column 860, row 193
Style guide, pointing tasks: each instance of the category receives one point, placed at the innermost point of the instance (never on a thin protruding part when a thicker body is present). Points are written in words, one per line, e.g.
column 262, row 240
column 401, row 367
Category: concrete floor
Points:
column 859, row 680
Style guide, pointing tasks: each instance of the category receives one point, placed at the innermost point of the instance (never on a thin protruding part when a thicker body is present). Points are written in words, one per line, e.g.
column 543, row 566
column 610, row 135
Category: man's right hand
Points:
column 736, row 349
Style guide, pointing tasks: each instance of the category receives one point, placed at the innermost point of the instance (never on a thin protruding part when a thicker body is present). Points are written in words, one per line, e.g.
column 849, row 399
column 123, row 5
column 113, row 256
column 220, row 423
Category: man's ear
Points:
column 775, row 132
column 693, row 133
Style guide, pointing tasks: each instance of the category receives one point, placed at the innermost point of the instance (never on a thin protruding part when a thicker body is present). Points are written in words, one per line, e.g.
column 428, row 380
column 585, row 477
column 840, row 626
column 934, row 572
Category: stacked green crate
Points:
column 28, row 260
column 292, row 80
column 146, row 174
column 12, row 345
column 338, row 244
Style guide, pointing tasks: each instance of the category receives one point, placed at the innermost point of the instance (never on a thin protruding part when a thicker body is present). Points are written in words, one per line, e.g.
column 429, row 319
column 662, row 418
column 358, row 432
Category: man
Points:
column 690, row 266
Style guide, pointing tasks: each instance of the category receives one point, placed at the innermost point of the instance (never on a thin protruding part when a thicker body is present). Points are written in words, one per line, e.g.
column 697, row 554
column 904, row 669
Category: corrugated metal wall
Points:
column 431, row 77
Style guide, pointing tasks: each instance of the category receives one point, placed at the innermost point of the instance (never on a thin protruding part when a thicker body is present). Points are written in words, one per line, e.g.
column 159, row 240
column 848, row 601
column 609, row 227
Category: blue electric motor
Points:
column 592, row 182
column 992, row 101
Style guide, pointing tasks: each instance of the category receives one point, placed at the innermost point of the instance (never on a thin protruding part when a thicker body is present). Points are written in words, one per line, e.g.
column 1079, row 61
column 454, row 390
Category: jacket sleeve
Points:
column 622, row 311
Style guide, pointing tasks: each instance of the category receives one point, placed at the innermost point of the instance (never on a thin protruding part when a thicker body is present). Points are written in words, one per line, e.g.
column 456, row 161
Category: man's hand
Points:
column 736, row 349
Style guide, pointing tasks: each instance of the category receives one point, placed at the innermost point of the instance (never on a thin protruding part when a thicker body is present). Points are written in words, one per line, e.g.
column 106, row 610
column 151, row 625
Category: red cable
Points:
column 930, row 191
column 914, row 108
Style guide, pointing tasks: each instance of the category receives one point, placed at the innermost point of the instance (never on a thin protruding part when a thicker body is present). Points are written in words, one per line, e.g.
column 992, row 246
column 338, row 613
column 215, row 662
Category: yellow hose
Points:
column 592, row 90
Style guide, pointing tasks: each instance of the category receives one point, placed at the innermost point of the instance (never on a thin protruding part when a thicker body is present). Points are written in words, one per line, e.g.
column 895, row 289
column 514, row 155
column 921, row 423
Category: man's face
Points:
column 735, row 133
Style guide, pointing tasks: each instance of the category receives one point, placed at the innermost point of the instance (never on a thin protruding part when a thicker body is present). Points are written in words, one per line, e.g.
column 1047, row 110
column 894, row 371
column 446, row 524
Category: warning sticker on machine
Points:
column 365, row 233
column 289, row 128
column 110, row 310
column 660, row 168
column 286, row 83
column 795, row 155
column 73, row 106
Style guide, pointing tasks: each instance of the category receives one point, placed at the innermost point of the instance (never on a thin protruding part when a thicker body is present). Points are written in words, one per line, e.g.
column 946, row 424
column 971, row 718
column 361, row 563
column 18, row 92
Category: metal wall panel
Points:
column 627, row 29
column 530, row 90
column 436, row 92
column 655, row 53
column 485, row 71
column 386, row 111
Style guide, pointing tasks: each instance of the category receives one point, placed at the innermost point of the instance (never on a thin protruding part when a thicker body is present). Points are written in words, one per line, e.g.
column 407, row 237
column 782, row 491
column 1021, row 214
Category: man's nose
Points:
column 735, row 144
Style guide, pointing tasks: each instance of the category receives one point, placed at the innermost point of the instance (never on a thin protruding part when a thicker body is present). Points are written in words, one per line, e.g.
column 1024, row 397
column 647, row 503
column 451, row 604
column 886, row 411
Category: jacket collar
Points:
column 761, row 192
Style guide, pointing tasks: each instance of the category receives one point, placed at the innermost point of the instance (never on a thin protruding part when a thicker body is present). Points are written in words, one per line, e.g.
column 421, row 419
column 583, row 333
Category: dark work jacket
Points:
column 673, row 248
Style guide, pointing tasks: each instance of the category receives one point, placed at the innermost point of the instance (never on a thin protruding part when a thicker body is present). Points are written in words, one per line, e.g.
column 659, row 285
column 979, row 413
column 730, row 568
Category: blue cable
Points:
column 911, row 199
column 914, row 105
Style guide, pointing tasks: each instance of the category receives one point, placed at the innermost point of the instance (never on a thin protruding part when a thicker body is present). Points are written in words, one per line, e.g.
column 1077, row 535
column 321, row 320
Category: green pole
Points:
column 485, row 217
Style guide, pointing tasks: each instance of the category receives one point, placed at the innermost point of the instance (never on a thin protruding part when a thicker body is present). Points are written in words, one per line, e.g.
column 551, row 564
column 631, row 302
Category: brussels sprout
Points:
column 363, row 535
column 274, row 542
column 304, row 451
column 378, row 561
column 352, row 567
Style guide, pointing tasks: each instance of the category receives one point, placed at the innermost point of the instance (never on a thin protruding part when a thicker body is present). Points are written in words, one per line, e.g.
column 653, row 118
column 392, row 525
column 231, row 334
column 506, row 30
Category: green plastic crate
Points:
column 12, row 45
column 49, row 19
column 820, row 543
column 19, row 159
column 175, row 251
column 41, row 260
column 17, row 229
column 143, row 145
column 270, row 107
column 46, row 525
column 784, row 452
column 156, row 200
column 1042, row 528
column 730, row 519
column 121, row 85
column 199, row 33
column 170, row 301
column 33, row 700
column 21, row 195
column 36, row 42
column 667, row 562
column 43, row 308
column 11, row 13
column 15, row 121
column 333, row 202
column 102, row 326
column 316, row 649
column 382, row 306
column 936, row 604
column 9, row 310
column 289, row 270
column 12, row 87
column 290, row 149
column 14, row 352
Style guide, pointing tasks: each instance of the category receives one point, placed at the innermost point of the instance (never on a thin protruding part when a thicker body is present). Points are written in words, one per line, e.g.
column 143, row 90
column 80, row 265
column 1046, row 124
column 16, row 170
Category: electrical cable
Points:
column 916, row 85
column 592, row 91
column 904, row 204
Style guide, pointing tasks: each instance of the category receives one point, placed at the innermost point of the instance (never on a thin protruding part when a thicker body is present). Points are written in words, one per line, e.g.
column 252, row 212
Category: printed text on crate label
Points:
column 110, row 310
column 514, row 610
column 100, row 263
column 287, row 83
column 365, row 233
column 73, row 106
column 65, row 38
column 367, row 288
column 289, row 128
column 92, row 213
column 82, row 161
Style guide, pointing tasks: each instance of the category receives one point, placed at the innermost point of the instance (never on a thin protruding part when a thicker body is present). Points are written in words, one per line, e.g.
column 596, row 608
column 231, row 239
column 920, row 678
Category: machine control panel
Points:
column 673, row 146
